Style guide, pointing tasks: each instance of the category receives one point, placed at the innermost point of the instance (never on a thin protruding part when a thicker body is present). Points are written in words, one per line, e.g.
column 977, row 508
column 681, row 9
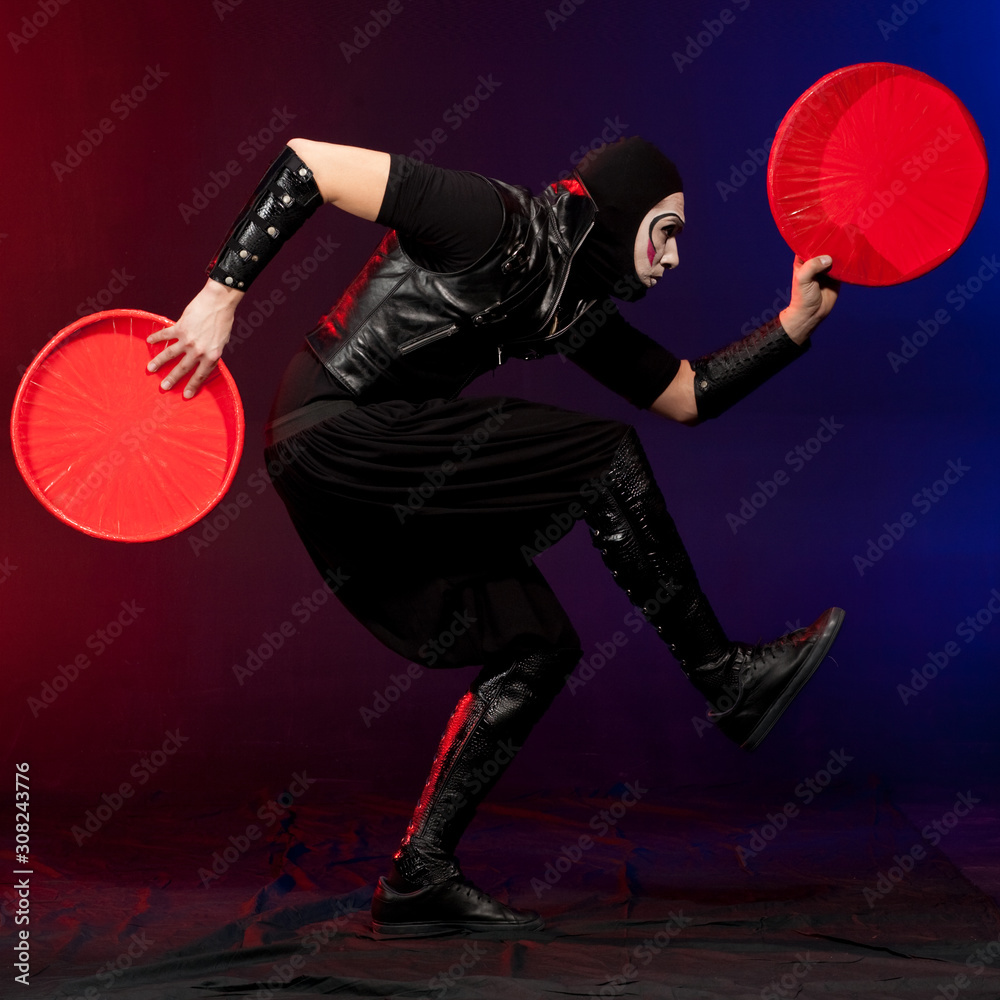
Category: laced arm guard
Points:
column 725, row 376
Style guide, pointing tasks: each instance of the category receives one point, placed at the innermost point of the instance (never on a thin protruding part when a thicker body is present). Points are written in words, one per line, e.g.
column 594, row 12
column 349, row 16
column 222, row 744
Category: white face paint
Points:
column 656, row 240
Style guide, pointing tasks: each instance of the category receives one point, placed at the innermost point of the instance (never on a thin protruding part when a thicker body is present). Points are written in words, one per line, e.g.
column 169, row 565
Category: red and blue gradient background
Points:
column 224, row 68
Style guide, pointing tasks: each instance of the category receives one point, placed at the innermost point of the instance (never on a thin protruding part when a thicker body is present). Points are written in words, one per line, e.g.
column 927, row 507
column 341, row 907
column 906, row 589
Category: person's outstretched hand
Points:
column 814, row 294
column 199, row 337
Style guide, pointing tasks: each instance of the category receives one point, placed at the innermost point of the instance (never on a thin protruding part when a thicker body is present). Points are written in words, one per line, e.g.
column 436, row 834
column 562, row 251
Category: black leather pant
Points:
column 639, row 542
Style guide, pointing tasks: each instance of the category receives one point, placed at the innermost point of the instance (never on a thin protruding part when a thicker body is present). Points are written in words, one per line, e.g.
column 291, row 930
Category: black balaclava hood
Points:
column 626, row 179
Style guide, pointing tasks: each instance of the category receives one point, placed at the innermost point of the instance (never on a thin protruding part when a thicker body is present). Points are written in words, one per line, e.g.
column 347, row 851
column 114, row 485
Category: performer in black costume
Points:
column 420, row 504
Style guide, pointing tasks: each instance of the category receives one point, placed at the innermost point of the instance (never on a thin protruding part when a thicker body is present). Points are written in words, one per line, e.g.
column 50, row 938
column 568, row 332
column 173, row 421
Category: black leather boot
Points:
column 427, row 894
column 749, row 686
column 759, row 682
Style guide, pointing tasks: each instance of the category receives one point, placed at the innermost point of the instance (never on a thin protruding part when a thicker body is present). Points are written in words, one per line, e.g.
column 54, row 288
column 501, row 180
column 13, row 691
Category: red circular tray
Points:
column 881, row 167
column 109, row 452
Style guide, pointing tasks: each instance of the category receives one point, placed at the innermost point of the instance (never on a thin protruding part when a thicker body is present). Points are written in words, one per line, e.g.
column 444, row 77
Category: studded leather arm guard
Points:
column 285, row 197
column 727, row 375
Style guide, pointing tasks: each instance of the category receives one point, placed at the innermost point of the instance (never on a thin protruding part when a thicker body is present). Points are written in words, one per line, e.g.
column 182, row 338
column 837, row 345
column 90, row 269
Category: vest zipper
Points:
column 562, row 286
column 579, row 315
column 427, row 338
column 554, row 318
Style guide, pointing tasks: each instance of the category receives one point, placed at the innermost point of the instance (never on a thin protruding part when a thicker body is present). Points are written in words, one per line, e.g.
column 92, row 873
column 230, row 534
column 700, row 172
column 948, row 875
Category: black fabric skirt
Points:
column 423, row 517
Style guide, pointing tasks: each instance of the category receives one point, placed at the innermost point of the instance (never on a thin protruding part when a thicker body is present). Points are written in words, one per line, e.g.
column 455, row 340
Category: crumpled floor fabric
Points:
column 653, row 898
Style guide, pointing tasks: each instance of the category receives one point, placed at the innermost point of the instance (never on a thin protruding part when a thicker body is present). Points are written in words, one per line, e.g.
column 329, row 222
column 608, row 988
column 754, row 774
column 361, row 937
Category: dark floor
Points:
column 670, row 899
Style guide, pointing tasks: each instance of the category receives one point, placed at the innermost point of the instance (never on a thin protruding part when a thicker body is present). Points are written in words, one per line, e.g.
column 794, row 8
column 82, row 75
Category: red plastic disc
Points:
column 881, row 167
column 109, row 452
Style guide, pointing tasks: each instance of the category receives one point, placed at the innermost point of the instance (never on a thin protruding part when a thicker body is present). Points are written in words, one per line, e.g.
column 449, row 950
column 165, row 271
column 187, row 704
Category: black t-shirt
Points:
column 446, row 220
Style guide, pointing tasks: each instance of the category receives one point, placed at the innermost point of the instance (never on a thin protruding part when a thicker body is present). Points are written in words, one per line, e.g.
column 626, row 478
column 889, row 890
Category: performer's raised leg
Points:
column 750, row 686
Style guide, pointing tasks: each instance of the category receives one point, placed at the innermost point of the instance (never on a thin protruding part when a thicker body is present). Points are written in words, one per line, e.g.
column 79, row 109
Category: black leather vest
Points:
column 400, row 331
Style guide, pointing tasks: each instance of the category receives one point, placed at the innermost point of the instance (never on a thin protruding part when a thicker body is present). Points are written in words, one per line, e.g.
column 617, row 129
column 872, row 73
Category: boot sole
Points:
column 798, row 682
column 440, row 928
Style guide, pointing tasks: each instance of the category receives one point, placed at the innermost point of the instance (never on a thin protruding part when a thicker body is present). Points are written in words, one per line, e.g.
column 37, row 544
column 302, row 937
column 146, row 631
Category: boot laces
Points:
column 756, row 656
column 471, row 889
